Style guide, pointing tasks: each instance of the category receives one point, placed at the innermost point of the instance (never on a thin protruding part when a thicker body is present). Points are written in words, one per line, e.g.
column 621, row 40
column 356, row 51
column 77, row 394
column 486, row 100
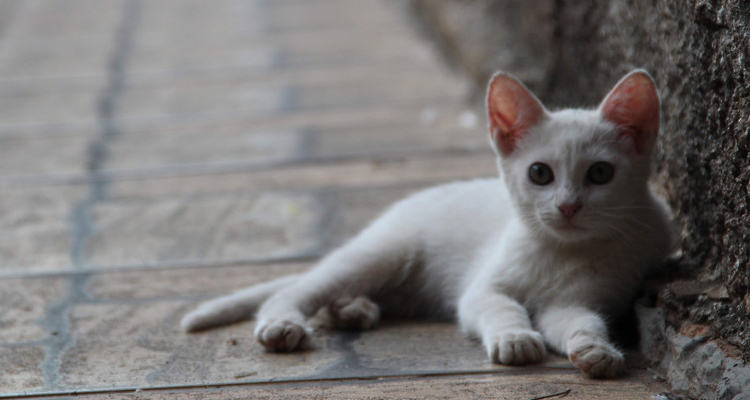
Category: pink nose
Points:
column 568, row 210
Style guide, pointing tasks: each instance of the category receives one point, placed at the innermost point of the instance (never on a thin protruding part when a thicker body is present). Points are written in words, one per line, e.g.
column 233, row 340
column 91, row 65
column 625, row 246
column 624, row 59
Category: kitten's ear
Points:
column 512, row 110
column 633, row 105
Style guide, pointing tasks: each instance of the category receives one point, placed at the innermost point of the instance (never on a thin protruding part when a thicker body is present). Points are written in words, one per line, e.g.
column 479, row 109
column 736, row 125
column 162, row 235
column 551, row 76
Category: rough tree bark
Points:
column 699, row 54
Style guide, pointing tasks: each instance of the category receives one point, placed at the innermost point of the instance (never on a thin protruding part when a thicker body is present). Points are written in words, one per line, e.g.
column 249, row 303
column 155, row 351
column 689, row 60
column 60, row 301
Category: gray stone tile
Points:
column 160, row 55
column 37, row 229
column 48, row 38
column 43, row 154
column 47, row 108
column 304, row 119
column 23, row 320
column 298, row 14
column 228, row 143
column 171, row 36
column 529, row 384
column 20, row 366
column 301, row 15
column 395, row 139
column 356, row 173
column 202, row 99
column 187, row 19
column 39, row 20
column 407, row 87
column 148, row 227
column 56, row 58
column 413, row 348
column 25, row 302
column 276, row 94
column 384, row 48
column 263, row 35
column 184, row 283
column 220, row 227
column 141, row 345
column 247, row 143
column 211, row 47
column 134, row 330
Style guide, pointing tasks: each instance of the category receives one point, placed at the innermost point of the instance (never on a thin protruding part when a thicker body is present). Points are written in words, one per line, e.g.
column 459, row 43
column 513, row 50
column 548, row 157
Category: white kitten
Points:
column 564, row 237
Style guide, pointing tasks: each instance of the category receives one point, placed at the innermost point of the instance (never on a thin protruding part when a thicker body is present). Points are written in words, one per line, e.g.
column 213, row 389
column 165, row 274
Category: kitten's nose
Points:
column 568, row 210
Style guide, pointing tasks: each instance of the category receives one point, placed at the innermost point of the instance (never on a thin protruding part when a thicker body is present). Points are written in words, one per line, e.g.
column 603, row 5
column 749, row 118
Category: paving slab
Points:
column 192, row 99
column 311, row 175
column 244, row 144
column 165, row 19
column 142, row 346
column 302, row 15
column 47, row 108
column 37, row 229
column 255, row 35
column 223, row 228
column 180, row 283
column 399, row 88
column 335, row 47
column 189, row 229
column 132, row 325
column 397, row 139
column 276, row 97
column 20, row 368
column 25, row 304
column 25, row 154
column 226, row 143
column 43, row 39
column 240, row 216
column 26, row 334
column 317, row 119
column 536, row 385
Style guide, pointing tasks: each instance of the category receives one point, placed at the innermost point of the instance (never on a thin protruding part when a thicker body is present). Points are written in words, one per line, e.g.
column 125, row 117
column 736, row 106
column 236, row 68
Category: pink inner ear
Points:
column 633, row 105
column 512, row 110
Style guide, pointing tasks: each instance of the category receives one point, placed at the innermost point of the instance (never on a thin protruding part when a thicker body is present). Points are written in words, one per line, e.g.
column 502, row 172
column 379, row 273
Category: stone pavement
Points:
column 157, row 153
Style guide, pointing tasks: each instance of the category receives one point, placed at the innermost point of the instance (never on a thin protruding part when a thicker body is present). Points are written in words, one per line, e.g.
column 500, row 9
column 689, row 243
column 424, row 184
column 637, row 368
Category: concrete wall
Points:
column 571, row 53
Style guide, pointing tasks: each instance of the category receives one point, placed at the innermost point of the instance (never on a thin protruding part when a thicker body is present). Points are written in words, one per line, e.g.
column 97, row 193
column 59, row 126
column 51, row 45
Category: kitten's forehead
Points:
column 576, row 126
column 569, row 137
column 571, row 131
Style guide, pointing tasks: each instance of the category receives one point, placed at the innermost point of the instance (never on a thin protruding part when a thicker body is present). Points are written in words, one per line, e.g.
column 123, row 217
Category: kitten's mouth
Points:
column 568, row 226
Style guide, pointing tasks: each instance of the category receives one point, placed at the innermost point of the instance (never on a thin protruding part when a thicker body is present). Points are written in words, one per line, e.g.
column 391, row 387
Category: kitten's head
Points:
column 575, row 174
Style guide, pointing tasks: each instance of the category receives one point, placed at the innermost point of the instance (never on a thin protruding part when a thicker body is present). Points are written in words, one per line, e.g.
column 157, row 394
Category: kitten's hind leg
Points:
column 376, row 258
column 235, row 307
column 358, row 313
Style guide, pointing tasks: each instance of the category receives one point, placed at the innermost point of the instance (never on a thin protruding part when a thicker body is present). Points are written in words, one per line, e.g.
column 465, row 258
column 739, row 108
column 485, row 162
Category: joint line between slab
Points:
column 56, row 321
column 515, row 371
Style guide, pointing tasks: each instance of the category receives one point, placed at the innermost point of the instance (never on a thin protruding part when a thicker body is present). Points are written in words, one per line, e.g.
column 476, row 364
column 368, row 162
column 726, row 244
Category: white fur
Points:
column 487, row 253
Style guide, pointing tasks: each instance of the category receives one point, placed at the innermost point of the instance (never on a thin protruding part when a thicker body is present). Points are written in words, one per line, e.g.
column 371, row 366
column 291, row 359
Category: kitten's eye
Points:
column 600, row 173
column 541, row 174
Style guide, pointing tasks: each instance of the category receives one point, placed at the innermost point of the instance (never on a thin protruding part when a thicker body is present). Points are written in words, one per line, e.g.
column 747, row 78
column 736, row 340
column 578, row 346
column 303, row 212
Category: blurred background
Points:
column 123, row 116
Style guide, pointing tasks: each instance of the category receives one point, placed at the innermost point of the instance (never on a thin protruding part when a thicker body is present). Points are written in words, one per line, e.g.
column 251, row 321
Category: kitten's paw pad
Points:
column 281, row 335
column 598, row 360
column 358, row 313
column 516, row 347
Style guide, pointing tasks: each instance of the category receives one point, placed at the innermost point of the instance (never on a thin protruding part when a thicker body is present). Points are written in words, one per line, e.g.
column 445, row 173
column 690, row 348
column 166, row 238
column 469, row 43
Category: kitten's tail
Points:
column 235, row 307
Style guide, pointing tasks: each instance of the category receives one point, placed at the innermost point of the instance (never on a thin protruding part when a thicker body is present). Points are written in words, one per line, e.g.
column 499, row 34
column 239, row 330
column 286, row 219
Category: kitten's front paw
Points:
column 281, row 335
column 516, row 347
column 358, row 313
column 597, row 359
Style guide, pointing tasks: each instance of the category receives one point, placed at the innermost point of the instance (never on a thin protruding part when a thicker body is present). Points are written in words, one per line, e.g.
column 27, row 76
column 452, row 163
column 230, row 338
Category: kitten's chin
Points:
column 569, row 231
